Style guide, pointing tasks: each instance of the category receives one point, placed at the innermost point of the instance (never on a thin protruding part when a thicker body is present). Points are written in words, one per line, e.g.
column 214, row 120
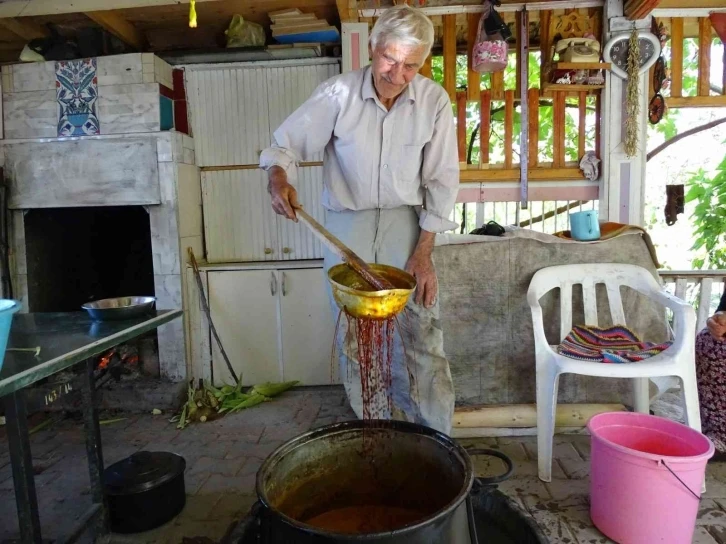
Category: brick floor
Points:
column 223, row 457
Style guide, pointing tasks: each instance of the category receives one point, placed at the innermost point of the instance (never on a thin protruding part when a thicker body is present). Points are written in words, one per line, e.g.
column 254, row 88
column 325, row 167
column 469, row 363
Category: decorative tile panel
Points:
column 77, row 91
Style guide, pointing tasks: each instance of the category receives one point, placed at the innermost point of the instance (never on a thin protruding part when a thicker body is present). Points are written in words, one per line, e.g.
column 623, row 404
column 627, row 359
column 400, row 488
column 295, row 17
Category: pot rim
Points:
column 395, row 425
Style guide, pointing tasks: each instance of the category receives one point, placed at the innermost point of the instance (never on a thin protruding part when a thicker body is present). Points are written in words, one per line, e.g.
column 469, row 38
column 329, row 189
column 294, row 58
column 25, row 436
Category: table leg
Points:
column 22, row 466
column 93, row 443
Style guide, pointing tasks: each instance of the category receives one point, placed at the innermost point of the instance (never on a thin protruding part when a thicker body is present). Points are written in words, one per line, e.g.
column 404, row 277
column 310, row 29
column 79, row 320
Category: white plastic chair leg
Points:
column 689, row 394
column 547, row 382
column 641, row 395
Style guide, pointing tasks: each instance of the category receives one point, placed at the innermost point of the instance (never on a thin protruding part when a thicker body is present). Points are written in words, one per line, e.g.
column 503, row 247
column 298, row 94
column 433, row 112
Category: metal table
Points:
column 65, row 339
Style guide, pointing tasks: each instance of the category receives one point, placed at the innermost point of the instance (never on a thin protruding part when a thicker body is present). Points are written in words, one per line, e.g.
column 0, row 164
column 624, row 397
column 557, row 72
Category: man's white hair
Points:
column 404, row 25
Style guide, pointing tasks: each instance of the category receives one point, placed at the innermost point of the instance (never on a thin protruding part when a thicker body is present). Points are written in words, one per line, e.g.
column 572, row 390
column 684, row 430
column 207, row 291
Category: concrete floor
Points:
column 223, row 456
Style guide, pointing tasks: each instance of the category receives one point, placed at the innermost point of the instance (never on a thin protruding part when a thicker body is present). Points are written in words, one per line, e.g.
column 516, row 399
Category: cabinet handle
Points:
column 286, row 250
column 268, row 251
column 284, row 288
column 273, row 284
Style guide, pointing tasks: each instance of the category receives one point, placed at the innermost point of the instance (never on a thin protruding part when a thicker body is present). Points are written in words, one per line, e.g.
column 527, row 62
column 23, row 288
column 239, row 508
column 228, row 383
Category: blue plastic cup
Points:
column 7, row 308
column 585, row 226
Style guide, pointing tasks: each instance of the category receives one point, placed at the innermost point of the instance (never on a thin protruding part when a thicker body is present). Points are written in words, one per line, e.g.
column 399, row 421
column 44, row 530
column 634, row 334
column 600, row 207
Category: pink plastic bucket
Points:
column 634, row 498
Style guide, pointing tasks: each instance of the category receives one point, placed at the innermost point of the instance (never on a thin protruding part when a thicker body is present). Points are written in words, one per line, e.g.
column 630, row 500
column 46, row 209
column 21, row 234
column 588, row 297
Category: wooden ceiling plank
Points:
column 119, row 27
column 347, row 10
column 24, row 29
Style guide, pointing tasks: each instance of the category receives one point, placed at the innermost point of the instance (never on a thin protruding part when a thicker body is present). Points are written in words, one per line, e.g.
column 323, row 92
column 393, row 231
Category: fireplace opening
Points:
column 77, row 255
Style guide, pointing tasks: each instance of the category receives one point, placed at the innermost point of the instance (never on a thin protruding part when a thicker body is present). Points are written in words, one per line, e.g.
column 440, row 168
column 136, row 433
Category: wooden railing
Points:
column 497, row 96
column 707, row 95
column 702, row 288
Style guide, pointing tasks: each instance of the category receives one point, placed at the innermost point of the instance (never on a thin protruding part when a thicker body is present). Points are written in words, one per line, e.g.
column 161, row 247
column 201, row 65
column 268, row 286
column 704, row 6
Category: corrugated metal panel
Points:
column 229, row 112
column 239, row 223
column 289, row 87
column 296, row 237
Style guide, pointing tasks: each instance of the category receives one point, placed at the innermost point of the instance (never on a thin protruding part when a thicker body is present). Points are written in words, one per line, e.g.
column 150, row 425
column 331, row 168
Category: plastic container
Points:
column 634, row 497
column 7, row 308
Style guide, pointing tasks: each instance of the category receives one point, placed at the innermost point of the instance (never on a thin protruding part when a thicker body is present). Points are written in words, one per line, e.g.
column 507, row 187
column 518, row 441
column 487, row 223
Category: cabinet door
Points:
column 229, row 113
column 307, row 327
column 244, row 307
column 296, row 242
column 239, row 222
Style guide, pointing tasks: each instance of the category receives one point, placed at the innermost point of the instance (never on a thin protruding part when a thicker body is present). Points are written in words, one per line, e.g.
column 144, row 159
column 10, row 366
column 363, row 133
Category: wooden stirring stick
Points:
column 345, row 253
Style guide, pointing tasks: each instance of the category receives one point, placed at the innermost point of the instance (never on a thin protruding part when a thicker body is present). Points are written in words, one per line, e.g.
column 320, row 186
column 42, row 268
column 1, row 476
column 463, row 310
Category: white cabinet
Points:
column 275, row 325
column 235, row 109
column 240, row 225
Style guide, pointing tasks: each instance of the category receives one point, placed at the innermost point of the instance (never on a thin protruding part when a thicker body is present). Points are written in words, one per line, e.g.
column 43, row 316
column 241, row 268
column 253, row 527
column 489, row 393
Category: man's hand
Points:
column 284, row 195
column 421, row 267
column 717, row 325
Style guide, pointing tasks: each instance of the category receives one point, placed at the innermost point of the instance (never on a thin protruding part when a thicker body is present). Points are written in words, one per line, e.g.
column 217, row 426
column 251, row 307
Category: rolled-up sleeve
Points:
column 440, row 172
column 306, row 131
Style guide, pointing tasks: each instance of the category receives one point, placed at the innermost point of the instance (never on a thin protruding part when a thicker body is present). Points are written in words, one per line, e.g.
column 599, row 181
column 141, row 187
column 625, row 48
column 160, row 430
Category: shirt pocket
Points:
column 409, row 164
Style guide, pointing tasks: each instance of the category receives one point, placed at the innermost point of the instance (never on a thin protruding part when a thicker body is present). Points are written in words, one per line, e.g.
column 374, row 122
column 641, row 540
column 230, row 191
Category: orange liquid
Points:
column 365, row 519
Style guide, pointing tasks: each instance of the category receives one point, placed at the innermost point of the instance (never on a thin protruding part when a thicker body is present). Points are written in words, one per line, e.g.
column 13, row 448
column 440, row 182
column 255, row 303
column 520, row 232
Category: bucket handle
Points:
column 498, row 454
column 662, row 461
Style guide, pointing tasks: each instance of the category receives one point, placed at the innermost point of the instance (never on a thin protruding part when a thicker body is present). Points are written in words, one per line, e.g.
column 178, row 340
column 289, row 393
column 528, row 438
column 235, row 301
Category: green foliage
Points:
column 709, row 216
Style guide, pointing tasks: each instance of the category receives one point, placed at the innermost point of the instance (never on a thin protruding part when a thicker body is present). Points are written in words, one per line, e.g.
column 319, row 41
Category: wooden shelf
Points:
column 582, row 66
column 571, row 88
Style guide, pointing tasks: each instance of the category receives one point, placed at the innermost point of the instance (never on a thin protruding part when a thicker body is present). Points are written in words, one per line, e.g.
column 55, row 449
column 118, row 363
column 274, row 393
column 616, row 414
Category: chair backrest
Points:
column 613, row 276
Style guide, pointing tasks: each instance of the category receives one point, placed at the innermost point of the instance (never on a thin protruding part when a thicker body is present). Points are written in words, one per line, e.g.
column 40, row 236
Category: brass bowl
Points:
column 352, row 293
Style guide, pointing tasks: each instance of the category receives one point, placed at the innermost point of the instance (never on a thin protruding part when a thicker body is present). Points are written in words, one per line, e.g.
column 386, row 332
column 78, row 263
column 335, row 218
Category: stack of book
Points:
column 294, row 26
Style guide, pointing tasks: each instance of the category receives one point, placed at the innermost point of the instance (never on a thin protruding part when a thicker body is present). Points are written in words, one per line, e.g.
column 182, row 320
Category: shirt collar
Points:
column 369, row 91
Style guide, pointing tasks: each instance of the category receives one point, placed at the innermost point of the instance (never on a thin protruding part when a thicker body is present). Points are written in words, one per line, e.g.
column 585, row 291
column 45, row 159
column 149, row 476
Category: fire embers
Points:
column 119, row 363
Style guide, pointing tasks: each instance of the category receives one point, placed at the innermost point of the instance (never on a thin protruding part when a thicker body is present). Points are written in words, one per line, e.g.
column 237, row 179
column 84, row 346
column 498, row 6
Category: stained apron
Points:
column 389, row 237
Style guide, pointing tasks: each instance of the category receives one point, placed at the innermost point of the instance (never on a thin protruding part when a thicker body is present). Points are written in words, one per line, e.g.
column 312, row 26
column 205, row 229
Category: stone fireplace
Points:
column 148, row 179
column 105, row 204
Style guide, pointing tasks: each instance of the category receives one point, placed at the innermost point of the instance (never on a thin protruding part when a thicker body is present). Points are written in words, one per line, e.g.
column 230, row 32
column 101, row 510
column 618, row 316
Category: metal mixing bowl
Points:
column 349, row 291
column 119, row 308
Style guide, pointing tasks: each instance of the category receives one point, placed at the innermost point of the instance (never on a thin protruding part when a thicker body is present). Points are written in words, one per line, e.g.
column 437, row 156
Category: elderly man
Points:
column 391, row 175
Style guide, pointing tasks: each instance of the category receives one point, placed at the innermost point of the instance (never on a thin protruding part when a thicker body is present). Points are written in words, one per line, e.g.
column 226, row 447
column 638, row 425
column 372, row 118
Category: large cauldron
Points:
column 358, row 465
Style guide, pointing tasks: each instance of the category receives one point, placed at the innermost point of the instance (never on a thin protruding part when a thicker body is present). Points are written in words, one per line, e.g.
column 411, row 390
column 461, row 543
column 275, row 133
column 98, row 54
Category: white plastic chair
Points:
column 678, row 360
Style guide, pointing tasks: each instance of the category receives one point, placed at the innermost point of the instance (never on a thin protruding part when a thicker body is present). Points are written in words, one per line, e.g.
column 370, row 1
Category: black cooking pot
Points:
column 410, row 481
column 144, row 491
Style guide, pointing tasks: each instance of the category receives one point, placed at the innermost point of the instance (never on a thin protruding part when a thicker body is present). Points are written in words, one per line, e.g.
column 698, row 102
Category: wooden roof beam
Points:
column 24, row 29
column 639, row 9
column 31, row 8
column 348, row 11
column 113, row 23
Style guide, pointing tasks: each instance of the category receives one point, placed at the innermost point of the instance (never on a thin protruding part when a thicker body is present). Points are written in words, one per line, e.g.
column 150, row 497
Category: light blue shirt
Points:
column 373, row 157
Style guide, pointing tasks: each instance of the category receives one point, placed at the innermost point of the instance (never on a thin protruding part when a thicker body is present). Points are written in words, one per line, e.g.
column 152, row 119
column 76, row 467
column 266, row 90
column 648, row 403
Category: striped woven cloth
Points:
column 612, row 345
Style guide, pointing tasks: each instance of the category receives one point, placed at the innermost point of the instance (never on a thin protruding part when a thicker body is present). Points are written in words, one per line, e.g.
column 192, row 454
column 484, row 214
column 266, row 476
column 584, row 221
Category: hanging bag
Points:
column 489, row 52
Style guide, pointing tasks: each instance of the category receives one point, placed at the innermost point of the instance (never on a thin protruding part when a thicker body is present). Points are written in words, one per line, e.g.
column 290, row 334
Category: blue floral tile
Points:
column 77, row 92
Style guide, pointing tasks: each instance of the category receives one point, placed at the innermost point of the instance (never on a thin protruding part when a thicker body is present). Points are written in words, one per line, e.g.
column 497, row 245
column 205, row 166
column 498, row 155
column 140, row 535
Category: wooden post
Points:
column 473, row 79
column 582, row 114
column 461, row 125
column 450, row 55
column 518, row 37
column 533, row 111
column 598, row 125
column 544, row 44
column 485, row 102
column 525, row 415
column 426, row 68
column 677, row 57
column 497, row 79
column 508, row 127
column 558, row 123
column 704, row 56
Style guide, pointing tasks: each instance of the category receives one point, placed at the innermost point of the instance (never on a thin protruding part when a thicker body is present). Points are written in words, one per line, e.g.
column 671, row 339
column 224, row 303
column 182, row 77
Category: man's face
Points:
column 394, row 66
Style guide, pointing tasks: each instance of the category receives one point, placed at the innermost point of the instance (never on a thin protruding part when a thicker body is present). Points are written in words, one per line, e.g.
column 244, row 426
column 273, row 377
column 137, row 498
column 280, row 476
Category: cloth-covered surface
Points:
column 610, row 230
column 711, row 375
column 487, row 323
column 616, row 344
